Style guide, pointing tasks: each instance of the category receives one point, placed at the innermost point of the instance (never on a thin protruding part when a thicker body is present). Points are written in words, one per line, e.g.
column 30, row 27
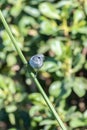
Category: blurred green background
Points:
column 57, row 29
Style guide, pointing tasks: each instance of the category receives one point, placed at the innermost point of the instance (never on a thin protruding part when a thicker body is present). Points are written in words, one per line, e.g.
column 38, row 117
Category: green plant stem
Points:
column 49, row 103
column 32, row 74
column 12, row 38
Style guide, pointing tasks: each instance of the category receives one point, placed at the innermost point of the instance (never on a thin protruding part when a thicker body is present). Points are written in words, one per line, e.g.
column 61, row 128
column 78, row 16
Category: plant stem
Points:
column 32, row 74
column 49, row 103
column 12, row 38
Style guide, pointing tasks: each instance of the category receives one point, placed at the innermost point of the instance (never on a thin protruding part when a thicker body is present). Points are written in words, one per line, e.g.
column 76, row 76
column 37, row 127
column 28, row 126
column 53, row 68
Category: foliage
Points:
column 58, row 29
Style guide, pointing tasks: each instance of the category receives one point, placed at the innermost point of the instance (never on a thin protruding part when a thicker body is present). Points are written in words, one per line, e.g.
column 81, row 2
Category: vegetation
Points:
column 57, row 29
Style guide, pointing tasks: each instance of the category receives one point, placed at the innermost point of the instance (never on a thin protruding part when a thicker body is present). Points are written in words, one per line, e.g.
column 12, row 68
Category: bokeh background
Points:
column 57, row 29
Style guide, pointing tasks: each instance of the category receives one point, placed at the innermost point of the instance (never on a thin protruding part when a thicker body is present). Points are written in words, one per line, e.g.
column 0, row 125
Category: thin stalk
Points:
column 32, row 74
column 12, row 38
column 48, row 103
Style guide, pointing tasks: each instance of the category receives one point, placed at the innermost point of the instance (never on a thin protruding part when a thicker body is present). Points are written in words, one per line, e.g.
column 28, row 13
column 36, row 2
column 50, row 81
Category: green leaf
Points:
column 12, row 129
column 37, row 98
column 66, row 87
column 48, row 27
column 32, row 11
column 37, row 118
column 85, row 6
column 19, row 97
column 78, row 122
column 11, row 60
column 49, row 10
column 83, row 30
column 60, row 89
column 35, row 109
column 48, row 122
column 11, row 108
column 78, row 62
column 2, row 2
column 64, row 3
column 79, row 86
column 85, row 114
column 78, row 15
column 25, row 23
column 56, row 46
column 69, row 114
column 55, row 88
column 35, row 2
column 50, row 66
column 18, row 6
column 12, row 118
